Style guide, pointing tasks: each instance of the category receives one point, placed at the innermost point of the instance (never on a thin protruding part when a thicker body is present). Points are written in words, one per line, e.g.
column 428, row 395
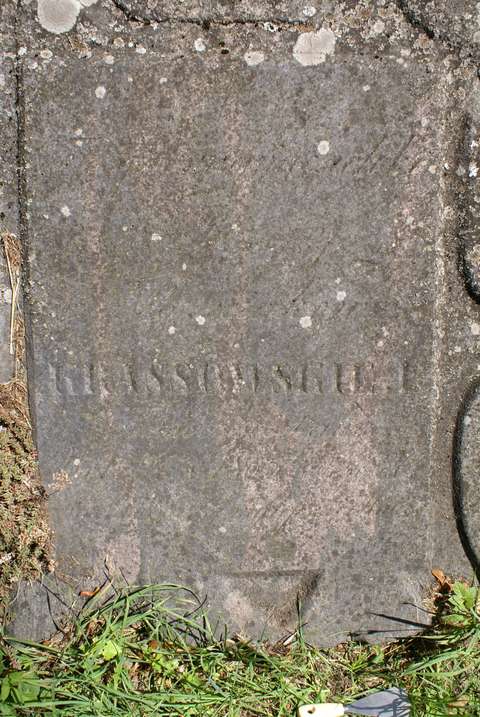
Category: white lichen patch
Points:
column 323, row 147
column 171, row 330
column 341, row 295
column 66, row 211
column 254, row 57
column 305, row 322
column 59, row 16
column 200, row 320
column 313, row 48
column 309, row 11
column 378, row 27
column 100, row 92
column 156, row 237
column 475, row 328
column 109, row 59
column 200, row 45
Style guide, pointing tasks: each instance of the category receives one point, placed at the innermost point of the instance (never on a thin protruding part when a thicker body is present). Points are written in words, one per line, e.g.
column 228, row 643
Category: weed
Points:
column 144, row 652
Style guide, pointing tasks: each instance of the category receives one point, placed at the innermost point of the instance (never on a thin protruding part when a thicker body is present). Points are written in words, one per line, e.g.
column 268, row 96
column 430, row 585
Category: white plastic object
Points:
column 327, row 709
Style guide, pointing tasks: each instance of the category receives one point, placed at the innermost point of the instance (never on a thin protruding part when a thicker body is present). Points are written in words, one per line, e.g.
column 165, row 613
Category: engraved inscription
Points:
column 214, row 378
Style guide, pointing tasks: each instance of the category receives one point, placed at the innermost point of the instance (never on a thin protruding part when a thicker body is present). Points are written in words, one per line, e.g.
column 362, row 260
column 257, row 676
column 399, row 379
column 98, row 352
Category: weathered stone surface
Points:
column 454, row 22
column 249, row 338
column 8, row 173
column 211, row 10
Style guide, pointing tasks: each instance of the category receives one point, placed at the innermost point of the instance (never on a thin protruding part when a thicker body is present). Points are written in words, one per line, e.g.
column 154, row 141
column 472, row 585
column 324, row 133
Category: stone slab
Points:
column 8, row 172
column 245, row 310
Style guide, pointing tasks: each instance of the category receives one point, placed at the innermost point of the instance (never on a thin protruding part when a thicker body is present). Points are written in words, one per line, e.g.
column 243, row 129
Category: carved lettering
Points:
column 224, row 380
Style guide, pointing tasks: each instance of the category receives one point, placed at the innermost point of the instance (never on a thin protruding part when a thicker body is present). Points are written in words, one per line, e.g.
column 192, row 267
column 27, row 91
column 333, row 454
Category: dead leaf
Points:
column 441, row 578
column 461, row 702
column 89, row 593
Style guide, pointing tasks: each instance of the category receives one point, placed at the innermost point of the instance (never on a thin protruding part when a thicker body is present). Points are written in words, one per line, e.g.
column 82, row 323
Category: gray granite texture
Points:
column 252, row 304
column 8, row 173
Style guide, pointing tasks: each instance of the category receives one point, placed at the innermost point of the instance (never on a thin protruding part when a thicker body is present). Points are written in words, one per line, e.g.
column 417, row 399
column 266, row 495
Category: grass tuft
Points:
column 151, row 651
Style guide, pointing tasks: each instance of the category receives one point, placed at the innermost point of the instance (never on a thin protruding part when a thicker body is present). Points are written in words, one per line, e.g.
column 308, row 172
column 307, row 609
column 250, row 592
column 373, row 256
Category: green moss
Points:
column 24, row 536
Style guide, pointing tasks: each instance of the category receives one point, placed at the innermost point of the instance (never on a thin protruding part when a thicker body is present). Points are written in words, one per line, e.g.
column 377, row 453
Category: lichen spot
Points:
column 253, row 57
column 58, row 16
column 65, row 211
column 200, row 45
column 312, row 48
column 309, row 11
column 341, row 295
column 200, row 320
column 323, row 147
column 378, row 27
column 306, row 322
column 100, row 92
column 171, row 330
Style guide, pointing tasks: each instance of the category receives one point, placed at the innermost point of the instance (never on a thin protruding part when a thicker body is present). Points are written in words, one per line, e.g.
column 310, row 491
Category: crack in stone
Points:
column 458, row 478
column 414, row 20
column 281, row 22
column 417, row 23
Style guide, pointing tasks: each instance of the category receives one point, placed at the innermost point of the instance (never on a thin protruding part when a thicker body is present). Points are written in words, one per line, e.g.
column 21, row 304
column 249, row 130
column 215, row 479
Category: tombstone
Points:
column 249, row 337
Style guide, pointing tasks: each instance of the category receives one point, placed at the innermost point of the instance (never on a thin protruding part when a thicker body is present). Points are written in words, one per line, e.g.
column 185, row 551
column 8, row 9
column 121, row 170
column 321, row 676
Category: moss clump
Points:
column 24, row 535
